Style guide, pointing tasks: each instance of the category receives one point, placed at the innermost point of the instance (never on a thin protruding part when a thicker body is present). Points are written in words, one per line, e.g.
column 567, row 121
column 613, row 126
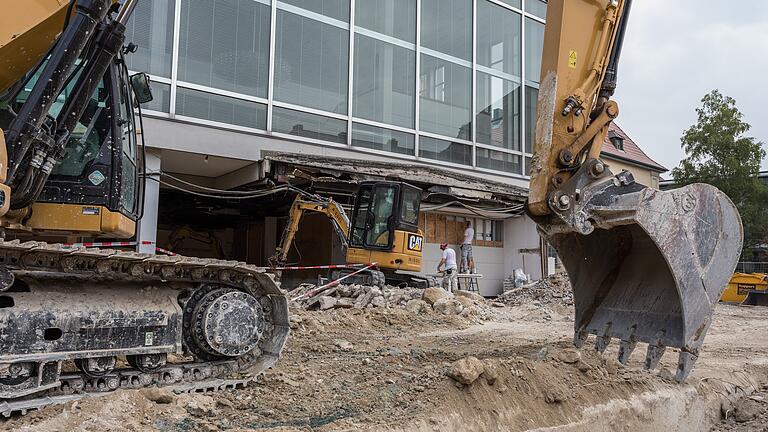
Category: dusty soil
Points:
column 384, row 369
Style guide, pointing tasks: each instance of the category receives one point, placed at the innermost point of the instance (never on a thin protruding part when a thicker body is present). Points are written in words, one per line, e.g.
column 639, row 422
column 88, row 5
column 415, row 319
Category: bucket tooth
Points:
column 685, row 365
column 579, row 338
column 602, row 341
column 653, row 356
column 626, row 347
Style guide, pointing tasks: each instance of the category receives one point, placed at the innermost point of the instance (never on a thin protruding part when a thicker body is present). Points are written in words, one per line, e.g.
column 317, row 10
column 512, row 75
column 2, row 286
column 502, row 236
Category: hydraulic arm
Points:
column 645, row 265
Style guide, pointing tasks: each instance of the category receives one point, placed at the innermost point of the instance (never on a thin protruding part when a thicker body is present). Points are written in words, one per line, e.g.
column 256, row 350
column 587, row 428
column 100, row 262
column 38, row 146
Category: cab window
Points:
column 382, row 208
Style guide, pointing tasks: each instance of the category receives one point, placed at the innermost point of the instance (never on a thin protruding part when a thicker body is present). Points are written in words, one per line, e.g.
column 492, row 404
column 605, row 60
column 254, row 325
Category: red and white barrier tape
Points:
column 323, row 267
column 99, row 244
column 312, row 293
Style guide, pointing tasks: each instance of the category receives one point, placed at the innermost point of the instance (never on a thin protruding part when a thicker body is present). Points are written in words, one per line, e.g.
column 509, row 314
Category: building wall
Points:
column 454, row 85
column 495, row 264
column 642, row 175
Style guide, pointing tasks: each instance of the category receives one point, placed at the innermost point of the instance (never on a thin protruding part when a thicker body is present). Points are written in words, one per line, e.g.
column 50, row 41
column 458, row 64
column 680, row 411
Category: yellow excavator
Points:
column 70, row 166
column 645, row 265
column 384, row 230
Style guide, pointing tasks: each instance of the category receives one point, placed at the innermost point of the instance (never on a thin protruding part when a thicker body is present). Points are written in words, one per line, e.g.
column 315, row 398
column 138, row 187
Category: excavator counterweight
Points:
column 645, row 265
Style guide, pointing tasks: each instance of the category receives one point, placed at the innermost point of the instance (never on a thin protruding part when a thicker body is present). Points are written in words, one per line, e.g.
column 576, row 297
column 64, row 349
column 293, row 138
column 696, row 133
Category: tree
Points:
column 719, row 153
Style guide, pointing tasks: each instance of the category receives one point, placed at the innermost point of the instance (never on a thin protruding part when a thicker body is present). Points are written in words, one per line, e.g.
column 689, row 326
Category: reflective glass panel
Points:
column 311, row 63
column 446, row 98
column 531, row 99
column 445, row 151
column 225, row 44
column 498, row 38
column 534, row 45
column 396, row 18
column 161, row 97
column 207, row 106
column 499, row 161
column 309, row 125
column 377, row 138
column 151, row 29
column 536, row 7
column 384, row 82
column 498, row 112
column 446, row 26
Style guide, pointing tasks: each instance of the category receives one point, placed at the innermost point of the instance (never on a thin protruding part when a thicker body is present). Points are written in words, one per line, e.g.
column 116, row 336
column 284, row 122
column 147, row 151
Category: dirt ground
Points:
column 385, row 370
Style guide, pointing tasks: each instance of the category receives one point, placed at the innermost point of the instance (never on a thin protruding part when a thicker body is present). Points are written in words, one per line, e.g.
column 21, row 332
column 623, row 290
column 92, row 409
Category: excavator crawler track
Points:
column 220, row 323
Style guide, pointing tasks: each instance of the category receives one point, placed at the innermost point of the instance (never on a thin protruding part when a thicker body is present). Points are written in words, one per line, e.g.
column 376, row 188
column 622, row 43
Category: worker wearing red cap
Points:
column 451, row 275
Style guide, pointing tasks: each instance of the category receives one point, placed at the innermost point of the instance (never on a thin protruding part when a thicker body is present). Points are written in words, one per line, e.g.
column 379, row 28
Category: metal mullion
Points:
column 220, row 92
column 384, row 38
column 218, row 125
column 498, row 74
column 383, row 125
column 313, row 15
column 473, row 91
column 175, row 56
column 507, row 6
column 272, row 56
column 350, row 70
column 308, row 110
column 447, row 57
column 448, row 139
column 500, row 149
column 417, row 107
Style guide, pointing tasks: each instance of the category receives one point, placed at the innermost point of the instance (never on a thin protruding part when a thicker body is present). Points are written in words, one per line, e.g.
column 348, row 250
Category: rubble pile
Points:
column 555, row 289
column 464, row 303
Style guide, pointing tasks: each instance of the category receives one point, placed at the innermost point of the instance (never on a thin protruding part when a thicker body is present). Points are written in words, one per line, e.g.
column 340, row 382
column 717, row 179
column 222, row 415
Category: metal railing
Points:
column 752, row 267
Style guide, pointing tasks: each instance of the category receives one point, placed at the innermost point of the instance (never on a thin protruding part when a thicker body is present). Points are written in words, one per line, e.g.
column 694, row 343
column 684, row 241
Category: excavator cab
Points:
column 382, row 209
column 385, row 226
column 99, row 173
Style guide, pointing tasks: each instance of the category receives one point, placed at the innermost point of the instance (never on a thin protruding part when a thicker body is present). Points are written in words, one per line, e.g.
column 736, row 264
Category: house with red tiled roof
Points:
column 620, row 152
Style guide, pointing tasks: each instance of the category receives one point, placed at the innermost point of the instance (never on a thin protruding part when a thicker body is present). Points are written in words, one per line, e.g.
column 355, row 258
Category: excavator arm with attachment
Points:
column 645, row 265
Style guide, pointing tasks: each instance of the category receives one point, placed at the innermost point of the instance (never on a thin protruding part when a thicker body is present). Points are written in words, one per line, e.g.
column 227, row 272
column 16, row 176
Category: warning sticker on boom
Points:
column 573, row 59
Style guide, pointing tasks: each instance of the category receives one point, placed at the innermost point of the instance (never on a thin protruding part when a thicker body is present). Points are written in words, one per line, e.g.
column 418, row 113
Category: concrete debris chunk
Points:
column 448, row 306
column 416, row 306
column 569, row 355
column 467, row 370
column 470, row 295
column 326, row 302
column 432, row 295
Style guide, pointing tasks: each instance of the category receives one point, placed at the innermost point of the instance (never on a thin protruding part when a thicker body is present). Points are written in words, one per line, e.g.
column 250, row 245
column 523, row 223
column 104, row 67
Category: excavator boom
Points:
column 645, row 265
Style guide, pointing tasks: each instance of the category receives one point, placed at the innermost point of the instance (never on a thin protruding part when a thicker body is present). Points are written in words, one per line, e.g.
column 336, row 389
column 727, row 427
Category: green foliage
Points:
column 719, row 153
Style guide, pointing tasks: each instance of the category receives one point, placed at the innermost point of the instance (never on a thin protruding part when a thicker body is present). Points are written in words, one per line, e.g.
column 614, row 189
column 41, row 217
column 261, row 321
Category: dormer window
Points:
column 617, row 140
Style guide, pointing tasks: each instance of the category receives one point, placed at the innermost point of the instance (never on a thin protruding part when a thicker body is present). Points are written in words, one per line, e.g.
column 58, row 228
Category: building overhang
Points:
column 444, row 189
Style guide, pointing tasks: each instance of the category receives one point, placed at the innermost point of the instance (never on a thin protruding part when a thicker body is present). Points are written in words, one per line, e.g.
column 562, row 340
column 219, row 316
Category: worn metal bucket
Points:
column 652, row 268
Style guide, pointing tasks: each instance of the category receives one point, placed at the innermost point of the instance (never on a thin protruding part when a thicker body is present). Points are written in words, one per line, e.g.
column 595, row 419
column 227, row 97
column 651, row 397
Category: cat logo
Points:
column 415, row 242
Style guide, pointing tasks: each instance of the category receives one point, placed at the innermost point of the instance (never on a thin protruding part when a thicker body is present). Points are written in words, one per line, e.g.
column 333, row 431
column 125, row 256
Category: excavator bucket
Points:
column 652, row 268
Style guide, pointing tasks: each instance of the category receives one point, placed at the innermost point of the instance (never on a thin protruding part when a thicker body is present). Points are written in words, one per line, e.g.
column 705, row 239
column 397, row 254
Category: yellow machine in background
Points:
column 747, row 289
column 383, row 230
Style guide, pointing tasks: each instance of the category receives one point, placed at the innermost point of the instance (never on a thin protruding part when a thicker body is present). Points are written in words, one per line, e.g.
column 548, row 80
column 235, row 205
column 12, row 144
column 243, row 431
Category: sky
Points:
column 677, row 51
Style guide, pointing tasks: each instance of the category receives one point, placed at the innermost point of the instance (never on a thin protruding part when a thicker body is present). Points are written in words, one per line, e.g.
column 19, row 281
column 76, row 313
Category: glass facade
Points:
column 453, row 82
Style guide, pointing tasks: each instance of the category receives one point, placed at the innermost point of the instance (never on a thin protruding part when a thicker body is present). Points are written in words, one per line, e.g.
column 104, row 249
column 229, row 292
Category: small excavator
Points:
column 645, row 265
column 384, row 231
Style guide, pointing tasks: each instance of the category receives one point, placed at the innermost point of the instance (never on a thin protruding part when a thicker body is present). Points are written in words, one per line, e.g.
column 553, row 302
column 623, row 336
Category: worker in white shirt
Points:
column 448, row 262
column 467, row 260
